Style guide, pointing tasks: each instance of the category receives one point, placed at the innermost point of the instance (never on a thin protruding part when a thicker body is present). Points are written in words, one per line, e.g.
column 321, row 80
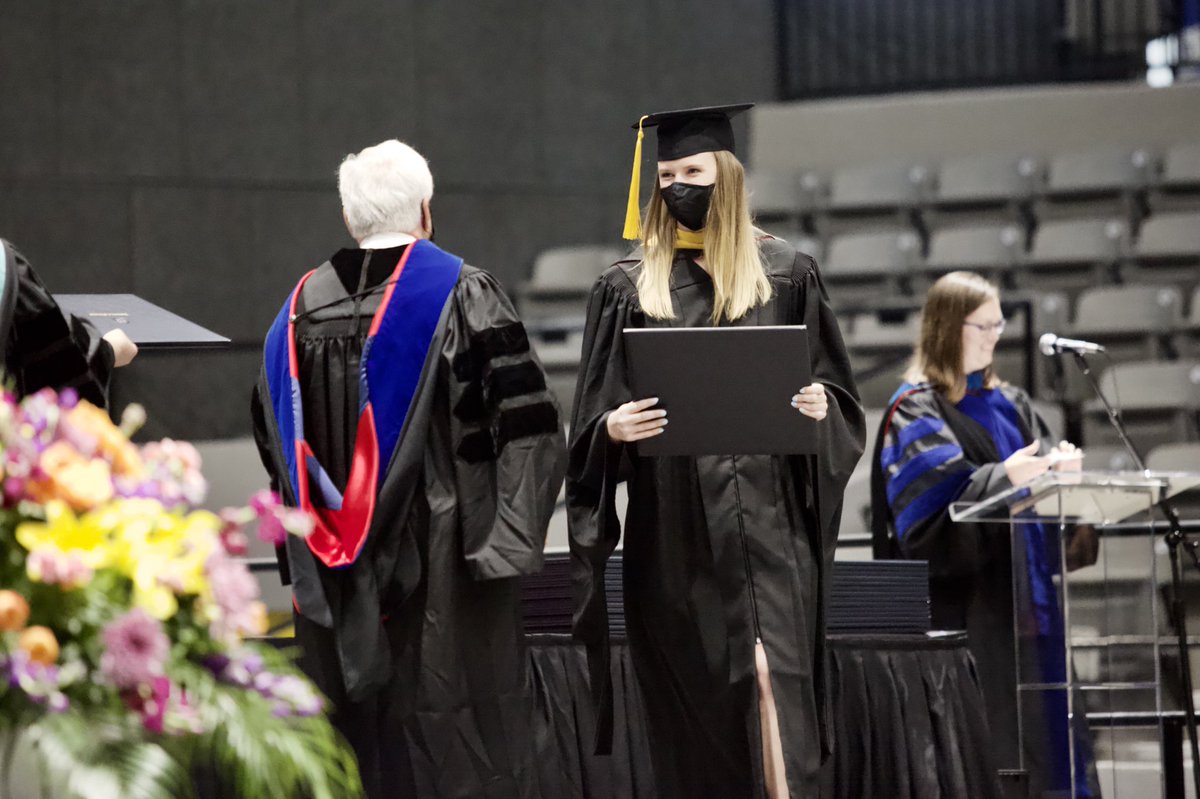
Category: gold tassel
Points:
column 633, row 210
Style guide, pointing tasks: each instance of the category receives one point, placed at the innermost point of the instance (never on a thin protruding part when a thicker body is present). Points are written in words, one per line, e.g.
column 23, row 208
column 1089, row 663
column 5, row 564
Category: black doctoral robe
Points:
column 970, row 565
column 419, row 643
column 43, row 347
column 714, row 546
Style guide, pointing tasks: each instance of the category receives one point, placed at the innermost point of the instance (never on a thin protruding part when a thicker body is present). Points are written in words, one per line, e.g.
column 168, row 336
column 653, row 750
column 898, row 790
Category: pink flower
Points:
column 46, row 565
column 135, row 650
column 276, row 521
column 235, row 595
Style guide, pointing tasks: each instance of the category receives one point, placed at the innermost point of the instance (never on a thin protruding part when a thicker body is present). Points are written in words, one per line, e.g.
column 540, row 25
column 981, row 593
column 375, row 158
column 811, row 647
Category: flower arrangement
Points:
column 124, row 669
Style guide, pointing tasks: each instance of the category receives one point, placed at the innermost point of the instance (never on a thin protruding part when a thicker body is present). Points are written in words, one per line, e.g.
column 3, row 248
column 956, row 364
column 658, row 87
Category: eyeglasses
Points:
column 998, row 327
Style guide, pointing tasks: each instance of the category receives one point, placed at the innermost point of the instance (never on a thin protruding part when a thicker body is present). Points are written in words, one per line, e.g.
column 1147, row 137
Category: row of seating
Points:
column 1065, row 254
column 1132, row 179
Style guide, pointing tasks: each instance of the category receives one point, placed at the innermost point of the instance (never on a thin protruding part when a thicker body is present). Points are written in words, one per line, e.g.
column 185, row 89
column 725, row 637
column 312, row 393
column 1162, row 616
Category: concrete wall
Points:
column 1039, row 120
column 186, row 150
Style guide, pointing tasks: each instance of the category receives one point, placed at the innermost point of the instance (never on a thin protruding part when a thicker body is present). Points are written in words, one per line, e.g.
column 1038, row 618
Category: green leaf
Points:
column 95, row 758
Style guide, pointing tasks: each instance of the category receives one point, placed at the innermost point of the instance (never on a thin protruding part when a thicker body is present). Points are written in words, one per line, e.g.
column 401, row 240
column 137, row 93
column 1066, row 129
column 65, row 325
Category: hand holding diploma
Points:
column 812, row 402
column 634, row 421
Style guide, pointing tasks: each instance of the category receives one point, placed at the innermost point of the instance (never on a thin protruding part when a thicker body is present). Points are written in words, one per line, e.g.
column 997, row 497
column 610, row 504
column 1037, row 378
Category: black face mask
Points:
column 688, row 203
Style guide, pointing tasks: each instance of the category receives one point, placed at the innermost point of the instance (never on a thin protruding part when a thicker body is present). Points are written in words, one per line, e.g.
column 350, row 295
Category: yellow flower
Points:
column 65, row 532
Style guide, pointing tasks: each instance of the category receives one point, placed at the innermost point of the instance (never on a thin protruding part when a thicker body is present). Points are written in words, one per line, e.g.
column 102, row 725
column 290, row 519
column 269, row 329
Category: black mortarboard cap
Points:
column 694, row 130
column 680, row 133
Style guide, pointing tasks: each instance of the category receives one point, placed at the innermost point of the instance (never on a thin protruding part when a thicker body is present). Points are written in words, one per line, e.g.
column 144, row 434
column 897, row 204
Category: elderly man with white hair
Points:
column 401, row 405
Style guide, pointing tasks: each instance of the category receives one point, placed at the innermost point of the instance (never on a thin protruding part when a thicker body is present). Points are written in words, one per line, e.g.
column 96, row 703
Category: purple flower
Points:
column 135, row 650
column 39, row 682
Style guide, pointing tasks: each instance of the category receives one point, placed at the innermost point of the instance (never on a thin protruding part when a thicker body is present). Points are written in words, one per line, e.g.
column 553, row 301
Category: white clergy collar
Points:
column 385, row 241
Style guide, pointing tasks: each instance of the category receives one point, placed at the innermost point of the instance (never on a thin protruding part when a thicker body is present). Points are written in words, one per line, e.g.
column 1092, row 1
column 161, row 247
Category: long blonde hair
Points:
column 730, row 250
column 938, row 358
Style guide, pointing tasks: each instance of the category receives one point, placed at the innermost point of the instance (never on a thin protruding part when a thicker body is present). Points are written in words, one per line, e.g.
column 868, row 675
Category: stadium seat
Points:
column 1109, row 458
column 1105, row 180
column 989, row 187
column 1166, row 250
column 879, row 347
column 1070, row 254
column 560, row 358
column 1159, row 402
column 802, row 241
column 992, row 179
column 1054, row 416
column 561, row 280
column 774, row 195
column 1174, row 458
column 1187, row 343
column 1144, row 315
column 1135, row 323
column 991, row 249
column 1178, row 184
column 875, row 265
column 866, row 196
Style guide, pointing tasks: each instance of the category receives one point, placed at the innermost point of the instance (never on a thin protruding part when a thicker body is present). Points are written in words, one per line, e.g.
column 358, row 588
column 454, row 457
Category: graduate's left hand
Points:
column 812, row 402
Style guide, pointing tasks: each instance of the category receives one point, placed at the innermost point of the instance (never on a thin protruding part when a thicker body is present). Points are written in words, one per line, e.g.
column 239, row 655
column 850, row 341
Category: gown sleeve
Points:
column 842, row 433
column 507, row 431
column 924, row 469
column 48, row 348
column 263, row 437
column 594, row 467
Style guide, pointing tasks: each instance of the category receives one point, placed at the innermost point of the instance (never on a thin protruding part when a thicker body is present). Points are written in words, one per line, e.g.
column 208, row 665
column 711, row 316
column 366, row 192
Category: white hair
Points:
column 382, row 188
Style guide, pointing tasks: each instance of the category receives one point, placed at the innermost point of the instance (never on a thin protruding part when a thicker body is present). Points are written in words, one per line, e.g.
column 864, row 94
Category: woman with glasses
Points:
column 954, row 431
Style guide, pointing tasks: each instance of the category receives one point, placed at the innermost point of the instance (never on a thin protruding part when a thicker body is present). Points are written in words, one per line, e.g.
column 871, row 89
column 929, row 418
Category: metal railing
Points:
column 877, row 46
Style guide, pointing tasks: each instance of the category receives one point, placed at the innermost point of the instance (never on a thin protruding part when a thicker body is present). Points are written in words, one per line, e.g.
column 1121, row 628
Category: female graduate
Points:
column 726, row 558
column 955, row 432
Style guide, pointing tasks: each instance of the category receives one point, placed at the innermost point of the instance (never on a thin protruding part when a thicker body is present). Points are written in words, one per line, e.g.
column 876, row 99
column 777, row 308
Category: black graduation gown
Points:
column 419, row 643
column 703, row 536
column 970, row 565
column 43, row 347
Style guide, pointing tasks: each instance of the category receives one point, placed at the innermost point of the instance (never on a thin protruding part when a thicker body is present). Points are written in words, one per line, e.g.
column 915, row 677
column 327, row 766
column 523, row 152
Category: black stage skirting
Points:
column 907, row 712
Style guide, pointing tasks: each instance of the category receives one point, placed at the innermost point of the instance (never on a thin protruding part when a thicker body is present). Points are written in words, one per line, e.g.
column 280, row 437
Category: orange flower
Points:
column 81, row 483
column 14, row 611
column 40, row 644
column 110, row 441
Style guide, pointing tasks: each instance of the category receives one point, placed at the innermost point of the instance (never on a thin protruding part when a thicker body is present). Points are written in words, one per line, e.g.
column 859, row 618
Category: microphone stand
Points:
column 1175, row 539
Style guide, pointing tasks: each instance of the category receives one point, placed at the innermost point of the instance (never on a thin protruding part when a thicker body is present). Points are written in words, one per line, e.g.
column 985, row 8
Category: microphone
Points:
column 1051, row 344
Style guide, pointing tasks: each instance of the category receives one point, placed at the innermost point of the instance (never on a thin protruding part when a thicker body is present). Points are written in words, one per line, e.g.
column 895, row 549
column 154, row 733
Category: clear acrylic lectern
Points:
column 1087, row 636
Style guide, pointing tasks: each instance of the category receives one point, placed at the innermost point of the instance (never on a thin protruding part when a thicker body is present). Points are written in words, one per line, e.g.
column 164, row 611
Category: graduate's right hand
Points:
column 1025, row 464
column 124, row 350
column 633, row 421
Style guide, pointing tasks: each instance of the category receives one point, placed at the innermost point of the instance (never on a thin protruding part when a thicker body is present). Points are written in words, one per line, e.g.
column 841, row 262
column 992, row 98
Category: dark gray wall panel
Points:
column 598, row 87
column 28, row 104
column 204, row 395
column 76, row 237
column 242, row 106
column 227, row 258
column 119, row 99
column 506, row 246
column 480, row 103
column 358, row 78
